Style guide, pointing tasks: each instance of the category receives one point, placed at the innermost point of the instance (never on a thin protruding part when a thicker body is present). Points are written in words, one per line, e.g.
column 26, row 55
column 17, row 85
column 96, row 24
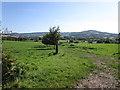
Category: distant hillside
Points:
column 92, row 34
column 83, row 34
column 35, row 34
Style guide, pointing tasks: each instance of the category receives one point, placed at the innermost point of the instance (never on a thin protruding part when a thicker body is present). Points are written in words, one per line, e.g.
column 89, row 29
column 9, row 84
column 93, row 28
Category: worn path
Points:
column 104, row 78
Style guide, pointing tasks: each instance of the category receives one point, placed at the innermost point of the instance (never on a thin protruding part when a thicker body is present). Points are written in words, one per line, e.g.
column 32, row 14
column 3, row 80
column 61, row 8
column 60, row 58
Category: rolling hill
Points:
column 92, row 34
column 83, row 34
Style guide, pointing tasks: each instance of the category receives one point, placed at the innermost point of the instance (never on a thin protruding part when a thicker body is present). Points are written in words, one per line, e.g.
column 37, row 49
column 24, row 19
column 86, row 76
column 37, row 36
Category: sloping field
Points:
column 42, row 69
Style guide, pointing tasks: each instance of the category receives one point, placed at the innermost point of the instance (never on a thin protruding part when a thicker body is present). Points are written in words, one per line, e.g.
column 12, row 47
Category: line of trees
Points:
column 14, row 38
column 91, row 40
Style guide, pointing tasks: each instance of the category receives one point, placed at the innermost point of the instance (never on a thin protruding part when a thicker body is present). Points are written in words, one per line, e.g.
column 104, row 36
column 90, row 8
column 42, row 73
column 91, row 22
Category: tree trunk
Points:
column 57, row 48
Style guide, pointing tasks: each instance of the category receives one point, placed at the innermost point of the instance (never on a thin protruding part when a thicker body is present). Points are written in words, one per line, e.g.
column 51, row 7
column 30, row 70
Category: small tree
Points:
column 52, row 37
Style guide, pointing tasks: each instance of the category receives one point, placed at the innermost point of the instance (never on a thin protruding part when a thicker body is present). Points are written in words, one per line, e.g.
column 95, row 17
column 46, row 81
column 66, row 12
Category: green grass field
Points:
column 42, row 69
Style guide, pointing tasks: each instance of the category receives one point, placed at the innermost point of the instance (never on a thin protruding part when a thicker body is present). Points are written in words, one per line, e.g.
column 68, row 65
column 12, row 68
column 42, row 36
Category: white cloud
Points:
column 56, row 22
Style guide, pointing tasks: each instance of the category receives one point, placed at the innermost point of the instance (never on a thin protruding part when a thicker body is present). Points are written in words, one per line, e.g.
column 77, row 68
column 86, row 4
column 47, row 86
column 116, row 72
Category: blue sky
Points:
column 70, row 16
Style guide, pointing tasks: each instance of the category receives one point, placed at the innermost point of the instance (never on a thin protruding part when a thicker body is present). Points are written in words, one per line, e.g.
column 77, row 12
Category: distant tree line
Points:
column 74, row 39
column 18, row 38
column 14, row 38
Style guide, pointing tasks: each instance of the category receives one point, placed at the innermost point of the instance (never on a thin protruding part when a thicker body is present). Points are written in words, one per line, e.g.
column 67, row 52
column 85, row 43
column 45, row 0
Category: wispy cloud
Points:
column 56, row 22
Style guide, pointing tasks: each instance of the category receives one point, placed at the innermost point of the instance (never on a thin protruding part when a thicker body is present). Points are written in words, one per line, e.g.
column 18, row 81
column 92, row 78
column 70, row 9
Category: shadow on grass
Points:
column 42, row 49
column 52, row 53
column 82, row 47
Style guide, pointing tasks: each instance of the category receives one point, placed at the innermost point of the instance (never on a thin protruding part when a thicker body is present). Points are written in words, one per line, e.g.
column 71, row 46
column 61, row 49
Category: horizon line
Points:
column 66, row 31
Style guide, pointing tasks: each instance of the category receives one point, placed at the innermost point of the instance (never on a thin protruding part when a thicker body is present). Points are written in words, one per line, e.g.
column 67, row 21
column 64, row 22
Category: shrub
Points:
column 60, row 43
column 36, row 40
column 76, row 41
column 10, row 69
column 40, row 46
column 72, row 45
column 71, row 41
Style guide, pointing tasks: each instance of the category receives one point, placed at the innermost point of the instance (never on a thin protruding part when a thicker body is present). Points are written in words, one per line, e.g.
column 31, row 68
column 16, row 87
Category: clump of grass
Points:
column 86, row 86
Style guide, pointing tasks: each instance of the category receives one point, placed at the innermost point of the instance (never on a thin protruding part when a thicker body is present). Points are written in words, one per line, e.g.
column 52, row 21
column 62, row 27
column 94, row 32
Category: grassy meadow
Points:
column 41, row 69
